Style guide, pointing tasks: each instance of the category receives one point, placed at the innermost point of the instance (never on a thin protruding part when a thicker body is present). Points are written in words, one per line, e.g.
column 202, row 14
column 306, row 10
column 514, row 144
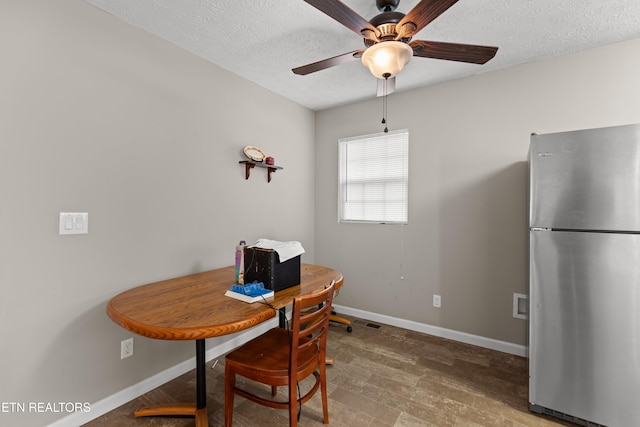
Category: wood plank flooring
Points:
column 382, row 377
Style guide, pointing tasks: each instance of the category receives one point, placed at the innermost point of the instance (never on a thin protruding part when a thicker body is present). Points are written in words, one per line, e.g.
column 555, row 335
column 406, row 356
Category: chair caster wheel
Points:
column 349, row 329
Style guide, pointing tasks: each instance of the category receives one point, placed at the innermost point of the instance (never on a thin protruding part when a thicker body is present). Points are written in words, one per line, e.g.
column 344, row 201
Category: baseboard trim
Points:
column 110, row 403
column 492, row 344
column 120, row 398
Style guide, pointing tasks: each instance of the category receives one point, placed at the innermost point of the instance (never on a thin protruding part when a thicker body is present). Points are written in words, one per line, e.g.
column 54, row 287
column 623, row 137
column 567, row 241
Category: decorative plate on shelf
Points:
column 254, row 153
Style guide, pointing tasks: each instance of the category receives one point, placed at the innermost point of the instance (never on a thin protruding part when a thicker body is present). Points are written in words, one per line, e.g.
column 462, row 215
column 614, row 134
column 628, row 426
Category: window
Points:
column 374, row 178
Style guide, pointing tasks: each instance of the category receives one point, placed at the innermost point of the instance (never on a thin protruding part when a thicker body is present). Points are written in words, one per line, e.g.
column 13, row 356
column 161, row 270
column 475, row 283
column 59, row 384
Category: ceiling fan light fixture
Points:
column 387, row 58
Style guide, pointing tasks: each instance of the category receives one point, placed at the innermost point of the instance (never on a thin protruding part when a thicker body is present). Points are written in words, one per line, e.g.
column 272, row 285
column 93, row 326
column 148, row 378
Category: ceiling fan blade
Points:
column 391, row 86
column 422, row 14
column 328, row 63
column 346, row 16
column 453, row 51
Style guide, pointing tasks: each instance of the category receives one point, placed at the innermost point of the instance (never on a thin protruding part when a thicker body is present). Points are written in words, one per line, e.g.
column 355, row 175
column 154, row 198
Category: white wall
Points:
column 98, row 117
column 467, row 234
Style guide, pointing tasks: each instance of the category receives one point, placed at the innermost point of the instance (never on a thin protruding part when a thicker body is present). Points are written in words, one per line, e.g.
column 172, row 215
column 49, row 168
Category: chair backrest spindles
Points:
column 310, row 328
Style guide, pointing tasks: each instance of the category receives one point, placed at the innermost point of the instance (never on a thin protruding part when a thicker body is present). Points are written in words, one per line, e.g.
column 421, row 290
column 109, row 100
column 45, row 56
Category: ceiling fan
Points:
column 389, row 34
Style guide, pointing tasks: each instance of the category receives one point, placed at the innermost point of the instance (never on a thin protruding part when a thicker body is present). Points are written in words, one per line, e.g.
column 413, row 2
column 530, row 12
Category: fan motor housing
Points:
column 386, row 25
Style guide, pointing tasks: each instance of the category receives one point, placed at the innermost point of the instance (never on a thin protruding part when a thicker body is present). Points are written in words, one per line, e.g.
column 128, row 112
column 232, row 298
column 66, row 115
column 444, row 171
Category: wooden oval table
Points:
column 194, row 307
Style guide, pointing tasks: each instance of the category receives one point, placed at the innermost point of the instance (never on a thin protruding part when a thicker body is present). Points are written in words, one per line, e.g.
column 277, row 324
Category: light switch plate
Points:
column 74, row 223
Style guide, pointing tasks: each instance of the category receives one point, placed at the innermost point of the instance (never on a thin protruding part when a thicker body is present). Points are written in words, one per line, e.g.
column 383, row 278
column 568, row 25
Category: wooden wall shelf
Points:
column 249, row 164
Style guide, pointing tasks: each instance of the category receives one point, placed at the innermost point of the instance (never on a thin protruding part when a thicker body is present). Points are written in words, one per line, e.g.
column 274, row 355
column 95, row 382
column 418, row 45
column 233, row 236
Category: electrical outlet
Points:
column 437, row 301
column 126, row 348
column 520, row 306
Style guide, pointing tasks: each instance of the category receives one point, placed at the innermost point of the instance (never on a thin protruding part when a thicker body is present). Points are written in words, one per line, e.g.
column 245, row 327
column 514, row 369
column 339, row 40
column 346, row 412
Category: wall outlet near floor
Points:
column 520, row 306
column 126, row 348
column 437, row 301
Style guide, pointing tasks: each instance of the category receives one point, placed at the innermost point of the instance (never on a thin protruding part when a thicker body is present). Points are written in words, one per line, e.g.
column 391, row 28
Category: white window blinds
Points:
column 374, row 178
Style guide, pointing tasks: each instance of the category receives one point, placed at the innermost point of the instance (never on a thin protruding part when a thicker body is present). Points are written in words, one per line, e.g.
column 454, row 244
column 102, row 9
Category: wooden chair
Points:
column 283, row 357
column 339, row 319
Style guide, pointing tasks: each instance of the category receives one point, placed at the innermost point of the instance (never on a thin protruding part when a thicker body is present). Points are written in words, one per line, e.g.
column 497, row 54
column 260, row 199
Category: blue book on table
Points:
column 250, row 292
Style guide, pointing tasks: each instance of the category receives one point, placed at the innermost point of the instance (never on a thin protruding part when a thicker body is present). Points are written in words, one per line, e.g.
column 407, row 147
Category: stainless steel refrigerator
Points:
column 584, row 317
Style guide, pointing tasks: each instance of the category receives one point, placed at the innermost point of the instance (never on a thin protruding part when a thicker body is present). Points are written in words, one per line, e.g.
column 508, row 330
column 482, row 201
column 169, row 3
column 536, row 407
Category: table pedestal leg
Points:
column 201, row 379
column 199, row 410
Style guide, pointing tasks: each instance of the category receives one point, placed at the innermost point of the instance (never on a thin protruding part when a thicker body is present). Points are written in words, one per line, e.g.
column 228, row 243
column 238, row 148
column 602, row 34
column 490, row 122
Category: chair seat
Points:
column 252, row 360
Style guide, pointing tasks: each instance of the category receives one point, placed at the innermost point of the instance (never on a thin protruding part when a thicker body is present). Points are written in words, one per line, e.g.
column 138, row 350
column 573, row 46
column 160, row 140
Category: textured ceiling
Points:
column 262, row 40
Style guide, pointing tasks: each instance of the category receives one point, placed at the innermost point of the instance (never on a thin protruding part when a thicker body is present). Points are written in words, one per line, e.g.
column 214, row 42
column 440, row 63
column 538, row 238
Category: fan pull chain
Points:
column 384, row 102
